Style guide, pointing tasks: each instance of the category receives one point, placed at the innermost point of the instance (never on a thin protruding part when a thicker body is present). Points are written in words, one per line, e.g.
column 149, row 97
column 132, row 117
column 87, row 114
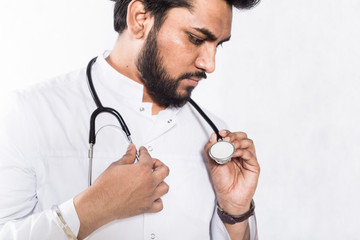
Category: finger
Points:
column 129, row 156
column 211, row 141
column 237, row 136
column 246, row 155
column 161, row 190
column 160, row 171
column 232, row 136
column 247, row 144
column 157, row 206
column 243, row 153
column 144, row 156
column 224, row 133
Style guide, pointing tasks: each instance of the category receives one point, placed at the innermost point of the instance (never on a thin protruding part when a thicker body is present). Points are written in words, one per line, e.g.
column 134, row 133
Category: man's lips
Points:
column 193, row 81
column 194, row 78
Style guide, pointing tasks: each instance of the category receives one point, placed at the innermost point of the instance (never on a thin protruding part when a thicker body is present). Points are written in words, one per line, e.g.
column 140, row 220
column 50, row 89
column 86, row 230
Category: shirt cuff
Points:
column 70, row 216
column 253, row 227
column 218, row 229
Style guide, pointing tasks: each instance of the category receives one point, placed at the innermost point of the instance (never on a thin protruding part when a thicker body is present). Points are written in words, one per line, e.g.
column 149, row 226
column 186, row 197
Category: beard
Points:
column 162, row 88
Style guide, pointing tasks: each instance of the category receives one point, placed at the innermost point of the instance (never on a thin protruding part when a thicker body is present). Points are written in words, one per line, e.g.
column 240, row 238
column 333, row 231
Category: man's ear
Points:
column 137, row 18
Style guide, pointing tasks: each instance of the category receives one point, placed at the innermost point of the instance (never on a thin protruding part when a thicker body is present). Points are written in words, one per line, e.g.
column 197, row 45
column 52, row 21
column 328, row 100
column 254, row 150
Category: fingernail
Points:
column 213, row 137
column 222, row 132
column 227, row 139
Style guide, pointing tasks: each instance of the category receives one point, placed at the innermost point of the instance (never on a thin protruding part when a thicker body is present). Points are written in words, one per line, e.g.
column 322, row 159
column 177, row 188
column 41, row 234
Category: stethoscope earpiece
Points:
column 222, row 152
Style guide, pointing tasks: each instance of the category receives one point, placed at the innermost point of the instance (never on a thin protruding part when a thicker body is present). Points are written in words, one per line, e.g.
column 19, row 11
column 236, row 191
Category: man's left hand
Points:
column 235, row 182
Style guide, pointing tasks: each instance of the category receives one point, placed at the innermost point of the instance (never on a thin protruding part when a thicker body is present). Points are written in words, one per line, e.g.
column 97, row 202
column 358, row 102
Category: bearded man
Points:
column 164, row 184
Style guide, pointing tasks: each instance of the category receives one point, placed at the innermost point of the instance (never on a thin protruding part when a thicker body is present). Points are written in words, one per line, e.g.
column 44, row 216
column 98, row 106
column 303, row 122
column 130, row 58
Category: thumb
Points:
column 211, row 141
column 129, row 156
column 145, row 157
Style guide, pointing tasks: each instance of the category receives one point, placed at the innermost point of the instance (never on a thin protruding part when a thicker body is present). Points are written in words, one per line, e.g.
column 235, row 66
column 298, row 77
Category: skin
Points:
column 123, row 190
column 187, row 42
column 176, row 41
column 235, row 182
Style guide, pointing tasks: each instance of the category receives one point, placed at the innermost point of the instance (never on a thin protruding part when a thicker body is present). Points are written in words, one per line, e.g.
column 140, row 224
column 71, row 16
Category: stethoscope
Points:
column 221, row 151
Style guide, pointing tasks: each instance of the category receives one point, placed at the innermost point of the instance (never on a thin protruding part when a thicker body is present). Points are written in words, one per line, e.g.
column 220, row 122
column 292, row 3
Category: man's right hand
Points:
column 123, row 190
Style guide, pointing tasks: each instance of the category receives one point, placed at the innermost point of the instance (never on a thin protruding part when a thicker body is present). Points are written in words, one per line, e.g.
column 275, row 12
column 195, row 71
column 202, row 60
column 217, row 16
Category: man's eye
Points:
column 195, row 40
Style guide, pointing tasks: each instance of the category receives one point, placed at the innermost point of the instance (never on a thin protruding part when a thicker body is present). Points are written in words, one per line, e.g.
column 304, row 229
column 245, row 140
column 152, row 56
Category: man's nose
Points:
column 206, row 59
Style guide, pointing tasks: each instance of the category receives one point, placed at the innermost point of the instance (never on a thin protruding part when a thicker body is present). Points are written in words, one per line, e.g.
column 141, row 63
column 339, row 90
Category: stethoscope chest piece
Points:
column 222, row 152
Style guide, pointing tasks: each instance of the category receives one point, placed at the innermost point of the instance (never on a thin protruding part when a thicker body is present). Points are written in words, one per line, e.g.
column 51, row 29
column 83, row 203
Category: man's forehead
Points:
column 210, row 17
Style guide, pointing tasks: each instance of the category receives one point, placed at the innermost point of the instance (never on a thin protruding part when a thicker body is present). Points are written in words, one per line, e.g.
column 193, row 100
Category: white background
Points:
column 290, row 78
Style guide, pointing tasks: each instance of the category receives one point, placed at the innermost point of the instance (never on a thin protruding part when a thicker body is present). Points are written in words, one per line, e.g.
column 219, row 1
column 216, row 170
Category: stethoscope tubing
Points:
column 207, row 119
column 101, row 109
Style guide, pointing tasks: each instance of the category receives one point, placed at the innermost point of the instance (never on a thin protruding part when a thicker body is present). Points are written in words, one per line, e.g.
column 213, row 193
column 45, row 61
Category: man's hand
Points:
column 235, row 182
column 123, row 190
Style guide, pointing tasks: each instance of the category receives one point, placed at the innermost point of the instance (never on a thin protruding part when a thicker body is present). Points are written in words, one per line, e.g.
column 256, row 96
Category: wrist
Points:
column 89, row 212
column 234, row 209
column 229, row 218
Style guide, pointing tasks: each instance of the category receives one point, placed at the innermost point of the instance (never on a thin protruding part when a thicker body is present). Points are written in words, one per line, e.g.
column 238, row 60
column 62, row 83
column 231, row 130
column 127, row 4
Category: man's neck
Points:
column 128, row 70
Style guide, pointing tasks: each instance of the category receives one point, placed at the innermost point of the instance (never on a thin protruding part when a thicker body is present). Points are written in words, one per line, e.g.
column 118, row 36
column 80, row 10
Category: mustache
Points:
column 195, row 74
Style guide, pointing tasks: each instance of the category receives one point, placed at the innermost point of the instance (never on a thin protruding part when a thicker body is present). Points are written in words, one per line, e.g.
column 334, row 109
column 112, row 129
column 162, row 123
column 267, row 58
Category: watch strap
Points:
column 232, row 219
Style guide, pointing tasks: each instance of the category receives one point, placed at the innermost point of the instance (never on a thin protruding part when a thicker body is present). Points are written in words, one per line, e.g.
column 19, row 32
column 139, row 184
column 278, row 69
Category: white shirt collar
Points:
column 114, row 82
column 113, row 86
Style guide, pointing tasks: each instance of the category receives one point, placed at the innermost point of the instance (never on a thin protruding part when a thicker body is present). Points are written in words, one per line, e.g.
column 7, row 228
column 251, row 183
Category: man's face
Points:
column 174, row 59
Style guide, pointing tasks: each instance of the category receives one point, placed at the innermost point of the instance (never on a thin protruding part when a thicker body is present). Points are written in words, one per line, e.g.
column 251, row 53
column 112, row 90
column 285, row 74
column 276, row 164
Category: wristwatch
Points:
column 232, row 219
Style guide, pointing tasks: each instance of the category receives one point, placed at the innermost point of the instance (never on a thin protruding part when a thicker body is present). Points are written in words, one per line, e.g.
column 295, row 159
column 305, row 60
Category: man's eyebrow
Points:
column 210, row 35
column 225, row 40
column 207, row 33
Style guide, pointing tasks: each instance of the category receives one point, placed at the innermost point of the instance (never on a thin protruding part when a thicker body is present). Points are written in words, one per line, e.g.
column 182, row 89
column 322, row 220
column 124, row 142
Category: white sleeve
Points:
column 219, row 232
column 217, row 228
column 41, row 226
column 20, row 215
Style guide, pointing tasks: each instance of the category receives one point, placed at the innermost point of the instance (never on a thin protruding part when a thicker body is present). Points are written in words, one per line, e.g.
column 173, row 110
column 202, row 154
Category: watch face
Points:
column 222, row 152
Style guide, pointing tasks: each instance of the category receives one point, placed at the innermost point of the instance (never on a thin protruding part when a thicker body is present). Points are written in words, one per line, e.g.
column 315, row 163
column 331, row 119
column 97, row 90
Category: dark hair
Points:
column 159, row 8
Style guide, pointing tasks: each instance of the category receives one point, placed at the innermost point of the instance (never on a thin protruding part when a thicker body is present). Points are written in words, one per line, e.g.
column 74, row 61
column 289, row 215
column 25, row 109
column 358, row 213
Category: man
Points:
column 165, row 47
